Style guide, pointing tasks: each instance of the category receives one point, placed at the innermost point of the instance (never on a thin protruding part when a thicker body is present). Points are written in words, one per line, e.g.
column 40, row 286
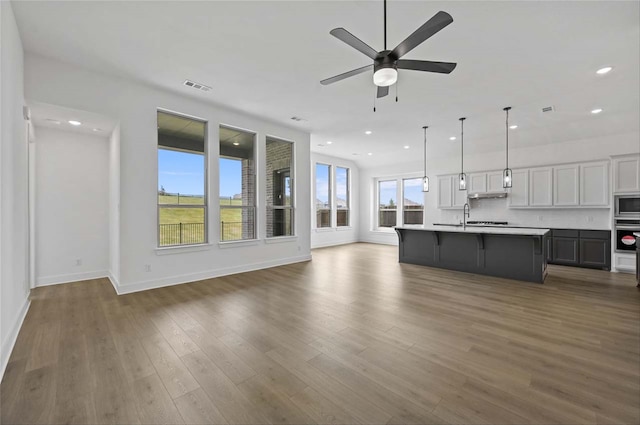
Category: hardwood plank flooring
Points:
column 350, row 337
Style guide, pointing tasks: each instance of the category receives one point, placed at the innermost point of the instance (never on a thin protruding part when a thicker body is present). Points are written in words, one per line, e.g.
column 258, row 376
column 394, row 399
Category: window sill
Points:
column 324, row 229
column 181, row 249
column 239, row 244
column 281, row 239
column 344, row 228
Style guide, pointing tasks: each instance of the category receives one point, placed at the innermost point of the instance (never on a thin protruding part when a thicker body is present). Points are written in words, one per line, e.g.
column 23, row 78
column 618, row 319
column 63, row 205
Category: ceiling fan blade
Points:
column 353, row 41
column 346, row 75
column 429, row 28
column 429, row 66
column 382, row 91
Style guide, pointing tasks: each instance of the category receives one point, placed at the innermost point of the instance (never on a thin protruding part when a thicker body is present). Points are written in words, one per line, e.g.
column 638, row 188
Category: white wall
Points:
column 72, row 206
column 134, row 105
column 557, row 153
column 329, row 236
column 114, row 205
column 14, row 288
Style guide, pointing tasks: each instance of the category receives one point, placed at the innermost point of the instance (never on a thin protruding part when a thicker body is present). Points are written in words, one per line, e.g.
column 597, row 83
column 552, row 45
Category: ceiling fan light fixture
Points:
column 384, row 77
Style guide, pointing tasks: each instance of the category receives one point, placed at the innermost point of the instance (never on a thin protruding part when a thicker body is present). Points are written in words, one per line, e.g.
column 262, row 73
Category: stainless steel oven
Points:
column 625, row 239
column 627, row 205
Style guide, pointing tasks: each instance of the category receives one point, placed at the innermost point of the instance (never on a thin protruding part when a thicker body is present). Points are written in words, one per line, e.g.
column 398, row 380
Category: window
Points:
column 412, row 201
column 237, row 185
column 323, row 195
column 280, row 211
column 182, row 177
column 342, row 196
column 387, row 203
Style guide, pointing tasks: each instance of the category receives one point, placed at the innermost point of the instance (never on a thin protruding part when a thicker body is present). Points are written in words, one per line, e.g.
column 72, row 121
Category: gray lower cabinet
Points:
column 581, row 248
column 565, row 251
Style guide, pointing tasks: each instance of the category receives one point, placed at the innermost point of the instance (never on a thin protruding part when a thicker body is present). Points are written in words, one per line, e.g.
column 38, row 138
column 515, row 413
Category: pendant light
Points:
column 425, row 179
column 462, row 177
column 507, row 180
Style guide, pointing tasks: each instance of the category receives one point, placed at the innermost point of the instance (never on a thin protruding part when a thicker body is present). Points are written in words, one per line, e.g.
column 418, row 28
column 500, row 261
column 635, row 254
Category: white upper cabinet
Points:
column 449, row 196
column 459, row 196
column 445, row 194
column 477, row 183
column 594, row 184
column 519, row 192
column 626, row 174
column 566, row 185
column 541, row 187
column 494, row 182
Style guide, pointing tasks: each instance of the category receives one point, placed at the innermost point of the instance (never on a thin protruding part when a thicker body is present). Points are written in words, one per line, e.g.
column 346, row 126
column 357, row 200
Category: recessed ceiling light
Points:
column 73, row 122
column 604, row 70
column 452, row 138
column 52, row 121
column 513, row 127
column 406, row 146
column 236, row 143
column 329, row 142
column 369, row 153
column 368, row 132
column 97, row 129
column 596, row 111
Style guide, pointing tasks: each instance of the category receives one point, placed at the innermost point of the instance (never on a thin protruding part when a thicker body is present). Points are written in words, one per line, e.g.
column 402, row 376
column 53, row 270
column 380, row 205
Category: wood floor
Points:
column 351, row 337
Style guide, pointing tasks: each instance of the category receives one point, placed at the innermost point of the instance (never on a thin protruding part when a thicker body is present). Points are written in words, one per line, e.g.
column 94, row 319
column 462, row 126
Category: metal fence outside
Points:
column 230, row 230
column 181, row 234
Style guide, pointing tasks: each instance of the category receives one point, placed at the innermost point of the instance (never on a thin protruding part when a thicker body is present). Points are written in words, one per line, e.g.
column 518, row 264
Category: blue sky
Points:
column 412, row 191
column 181, row 172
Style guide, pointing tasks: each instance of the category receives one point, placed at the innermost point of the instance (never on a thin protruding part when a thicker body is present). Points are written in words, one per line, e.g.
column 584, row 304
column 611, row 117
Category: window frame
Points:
column 256, row 170
column 348, row 200
column 402, row 223
column 377, row 203
column 400, row 204
column 292, row 177
column 205, row 205
column 330, row 195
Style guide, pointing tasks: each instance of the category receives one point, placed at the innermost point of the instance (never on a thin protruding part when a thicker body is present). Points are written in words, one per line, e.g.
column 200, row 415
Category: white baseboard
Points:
column 381, row 238
column 328, row 244
column 10, row 340
column 114, row 281
column 209, row 274
column 72, row 277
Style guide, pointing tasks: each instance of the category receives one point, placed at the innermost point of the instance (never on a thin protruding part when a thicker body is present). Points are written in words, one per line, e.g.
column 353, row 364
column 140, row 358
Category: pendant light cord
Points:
column 507, row 132
column 425, row 150
column 462, row 145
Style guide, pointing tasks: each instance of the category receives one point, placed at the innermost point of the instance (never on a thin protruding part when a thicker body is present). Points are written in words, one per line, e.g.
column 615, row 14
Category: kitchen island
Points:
column 513, row 253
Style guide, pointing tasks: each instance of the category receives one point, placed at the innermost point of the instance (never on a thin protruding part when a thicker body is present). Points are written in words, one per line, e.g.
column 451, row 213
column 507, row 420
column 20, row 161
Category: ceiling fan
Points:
column 387, row 62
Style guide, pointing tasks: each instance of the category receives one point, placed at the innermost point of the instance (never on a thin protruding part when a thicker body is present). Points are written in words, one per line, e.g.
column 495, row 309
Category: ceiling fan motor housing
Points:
column 385, row 60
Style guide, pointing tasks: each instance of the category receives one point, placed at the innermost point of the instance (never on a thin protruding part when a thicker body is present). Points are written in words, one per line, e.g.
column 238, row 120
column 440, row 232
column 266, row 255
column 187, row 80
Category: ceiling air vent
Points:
column 197, row 86
column 298, row 119
column 548, row 109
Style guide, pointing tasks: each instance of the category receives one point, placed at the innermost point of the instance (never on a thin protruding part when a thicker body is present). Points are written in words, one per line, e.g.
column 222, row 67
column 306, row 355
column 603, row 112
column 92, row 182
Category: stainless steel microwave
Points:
column 627, row 205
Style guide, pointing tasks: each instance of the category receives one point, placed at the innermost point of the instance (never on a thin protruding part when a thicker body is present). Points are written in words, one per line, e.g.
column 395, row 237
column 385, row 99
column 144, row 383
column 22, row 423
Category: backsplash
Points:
column 557, row 218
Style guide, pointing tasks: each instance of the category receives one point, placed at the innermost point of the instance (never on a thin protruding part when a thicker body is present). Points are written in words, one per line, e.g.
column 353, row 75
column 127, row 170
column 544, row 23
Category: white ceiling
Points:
column 267, row 58
column 58, row 117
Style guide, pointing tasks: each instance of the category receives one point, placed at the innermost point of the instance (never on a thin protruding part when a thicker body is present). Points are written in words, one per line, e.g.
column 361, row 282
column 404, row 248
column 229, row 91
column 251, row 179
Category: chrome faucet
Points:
column 466, row 212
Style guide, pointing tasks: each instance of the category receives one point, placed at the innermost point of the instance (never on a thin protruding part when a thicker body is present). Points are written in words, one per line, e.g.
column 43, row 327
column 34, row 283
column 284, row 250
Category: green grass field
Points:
column 195, row 215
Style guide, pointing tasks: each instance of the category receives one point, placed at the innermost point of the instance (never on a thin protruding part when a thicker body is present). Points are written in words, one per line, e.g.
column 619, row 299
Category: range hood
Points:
column 487, row 195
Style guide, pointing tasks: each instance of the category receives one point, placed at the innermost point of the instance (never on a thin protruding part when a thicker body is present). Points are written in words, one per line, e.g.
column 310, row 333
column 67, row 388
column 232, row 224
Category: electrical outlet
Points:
column 590, row 218
column 147, row 267
column 79, row 262
column 540, row 218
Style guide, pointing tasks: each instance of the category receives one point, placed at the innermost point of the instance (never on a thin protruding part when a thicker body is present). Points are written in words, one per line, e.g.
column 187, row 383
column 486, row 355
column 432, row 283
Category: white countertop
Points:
column 524, row 231
column 637, row 234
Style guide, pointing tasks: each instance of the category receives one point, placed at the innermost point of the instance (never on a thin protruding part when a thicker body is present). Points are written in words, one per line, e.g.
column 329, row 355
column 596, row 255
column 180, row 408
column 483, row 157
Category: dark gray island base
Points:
column 512, row 253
